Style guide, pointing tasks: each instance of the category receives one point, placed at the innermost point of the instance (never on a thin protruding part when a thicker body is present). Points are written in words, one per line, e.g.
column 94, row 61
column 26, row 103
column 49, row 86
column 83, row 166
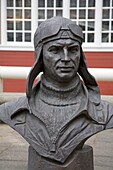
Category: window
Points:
column 83, row 12
column 49, row 8
column 22, row 17
column 107, row 21
column 18, row 17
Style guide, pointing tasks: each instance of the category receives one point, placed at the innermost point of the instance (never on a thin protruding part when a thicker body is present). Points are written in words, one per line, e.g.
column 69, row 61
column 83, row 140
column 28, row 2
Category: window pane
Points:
column 83, row 37
column 112, row 25
column 82, row 3
column 27, row 37
column 105, row 14
column 73, row 14
column 27, row 3
column 90, row 37
column 91, row 3
column 10, row 36
column 19, row 37
column 106, row 3
column 18, row 3
column 9, row 3
column 82, row 14
column 9, row 13
column 91, row 25
column 59, row 3
column 91, row 14
column 50, row 3
column 41, row 3
column 105, row 25
column 105, row 37
column 18, row 14
column 49, row 14
column 41, row 14
column 28, row 14
column 73, row 3
column 58, row 12
column 18, row 25
column 112, row 13
column 111, row 37
column 10, row 25
column 27, row 25
column 82, row 25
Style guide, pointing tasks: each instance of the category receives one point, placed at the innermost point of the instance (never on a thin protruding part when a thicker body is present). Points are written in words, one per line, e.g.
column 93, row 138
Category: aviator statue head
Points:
column 58, row 50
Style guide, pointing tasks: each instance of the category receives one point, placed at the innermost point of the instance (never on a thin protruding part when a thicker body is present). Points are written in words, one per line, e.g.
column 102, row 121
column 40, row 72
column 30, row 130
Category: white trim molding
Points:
column 8, row 72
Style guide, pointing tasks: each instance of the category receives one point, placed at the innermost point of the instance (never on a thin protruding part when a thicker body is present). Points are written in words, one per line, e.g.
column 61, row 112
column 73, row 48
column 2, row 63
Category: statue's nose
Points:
column 65, row 54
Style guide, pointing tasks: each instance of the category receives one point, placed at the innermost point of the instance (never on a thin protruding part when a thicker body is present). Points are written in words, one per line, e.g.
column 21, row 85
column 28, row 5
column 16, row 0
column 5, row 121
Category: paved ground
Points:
column 103, row 150
column 14, row 150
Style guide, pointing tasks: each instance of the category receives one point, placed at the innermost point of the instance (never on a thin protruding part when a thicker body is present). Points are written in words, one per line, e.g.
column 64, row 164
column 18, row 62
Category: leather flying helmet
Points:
column 54, row 29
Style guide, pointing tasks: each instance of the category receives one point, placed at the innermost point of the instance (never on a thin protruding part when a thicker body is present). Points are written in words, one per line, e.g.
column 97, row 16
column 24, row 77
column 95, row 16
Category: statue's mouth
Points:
column 65, row 68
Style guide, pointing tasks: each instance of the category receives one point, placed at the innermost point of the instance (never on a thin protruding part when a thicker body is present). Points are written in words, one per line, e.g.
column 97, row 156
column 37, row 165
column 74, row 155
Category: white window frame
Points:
column 28, row 46
column 46, row 8
column 16, row 46
column 99, row 45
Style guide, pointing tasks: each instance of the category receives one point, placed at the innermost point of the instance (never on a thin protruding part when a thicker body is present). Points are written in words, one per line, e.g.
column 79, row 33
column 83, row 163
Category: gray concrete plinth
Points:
column 79, row 160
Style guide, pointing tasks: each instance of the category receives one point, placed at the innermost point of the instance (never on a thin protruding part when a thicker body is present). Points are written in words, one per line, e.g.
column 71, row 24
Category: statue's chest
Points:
column 55, row 117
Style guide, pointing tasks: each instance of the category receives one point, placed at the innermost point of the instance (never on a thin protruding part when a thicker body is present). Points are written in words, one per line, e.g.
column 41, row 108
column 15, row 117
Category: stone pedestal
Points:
column 79, row 160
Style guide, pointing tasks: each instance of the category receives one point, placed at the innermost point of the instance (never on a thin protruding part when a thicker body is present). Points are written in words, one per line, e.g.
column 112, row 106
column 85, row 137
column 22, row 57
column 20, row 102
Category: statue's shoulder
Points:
column 17, row 105
column 100, row 112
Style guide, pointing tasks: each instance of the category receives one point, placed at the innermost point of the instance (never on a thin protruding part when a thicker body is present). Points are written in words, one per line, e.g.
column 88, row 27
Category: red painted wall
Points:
column 99, row 59
column 16, row 58
column 23, row 58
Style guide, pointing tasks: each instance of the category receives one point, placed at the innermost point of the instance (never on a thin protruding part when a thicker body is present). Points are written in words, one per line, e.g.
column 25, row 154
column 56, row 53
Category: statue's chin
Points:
column 65, row 79
column 65, row 74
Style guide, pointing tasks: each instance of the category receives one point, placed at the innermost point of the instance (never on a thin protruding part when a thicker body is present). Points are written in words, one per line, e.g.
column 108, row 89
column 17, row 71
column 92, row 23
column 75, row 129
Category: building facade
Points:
column 20, row 18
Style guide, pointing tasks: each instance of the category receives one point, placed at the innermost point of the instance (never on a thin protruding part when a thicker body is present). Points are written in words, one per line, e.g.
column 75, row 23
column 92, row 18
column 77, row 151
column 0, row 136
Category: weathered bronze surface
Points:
column 61, row 111
column 81, row 159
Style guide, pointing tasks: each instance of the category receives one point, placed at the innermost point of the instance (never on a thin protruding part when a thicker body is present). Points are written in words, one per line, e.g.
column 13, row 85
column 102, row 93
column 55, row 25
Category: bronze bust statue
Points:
column 62, row 110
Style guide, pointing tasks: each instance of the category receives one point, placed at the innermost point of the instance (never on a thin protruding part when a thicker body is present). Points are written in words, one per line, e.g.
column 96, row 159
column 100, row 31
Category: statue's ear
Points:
column 35, row 70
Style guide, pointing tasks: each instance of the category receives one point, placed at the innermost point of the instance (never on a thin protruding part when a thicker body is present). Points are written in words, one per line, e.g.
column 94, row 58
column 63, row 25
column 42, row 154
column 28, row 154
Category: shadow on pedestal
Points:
column 79, row 160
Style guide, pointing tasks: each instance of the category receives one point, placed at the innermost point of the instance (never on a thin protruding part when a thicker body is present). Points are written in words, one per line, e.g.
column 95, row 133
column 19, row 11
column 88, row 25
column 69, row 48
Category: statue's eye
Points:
column 54, row 49
column 73, row 49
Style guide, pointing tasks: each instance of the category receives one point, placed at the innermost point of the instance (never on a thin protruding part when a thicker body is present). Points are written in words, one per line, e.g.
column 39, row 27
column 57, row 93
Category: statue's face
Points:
column 61, row 59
